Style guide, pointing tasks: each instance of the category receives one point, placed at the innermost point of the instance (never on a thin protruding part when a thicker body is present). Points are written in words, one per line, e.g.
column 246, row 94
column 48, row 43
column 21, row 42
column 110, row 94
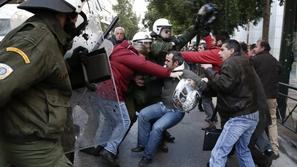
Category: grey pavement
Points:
column 187, row 149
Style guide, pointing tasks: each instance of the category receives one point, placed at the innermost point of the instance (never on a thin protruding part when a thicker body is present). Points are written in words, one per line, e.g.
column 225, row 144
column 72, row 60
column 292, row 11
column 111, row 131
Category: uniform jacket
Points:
column 160, row 46
column 268, row 70
column 235, row 86
column 125, row 61
column 35, row 97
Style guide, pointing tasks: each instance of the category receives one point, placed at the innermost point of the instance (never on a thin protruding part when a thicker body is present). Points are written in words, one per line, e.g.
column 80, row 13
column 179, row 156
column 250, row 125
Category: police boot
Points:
column 92, row 150
column 109, row 157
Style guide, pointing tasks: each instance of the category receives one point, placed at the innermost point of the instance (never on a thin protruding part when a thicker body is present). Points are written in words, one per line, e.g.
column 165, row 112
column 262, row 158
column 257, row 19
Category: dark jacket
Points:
column 35, row 97
column 268, row 70
column 235, row 87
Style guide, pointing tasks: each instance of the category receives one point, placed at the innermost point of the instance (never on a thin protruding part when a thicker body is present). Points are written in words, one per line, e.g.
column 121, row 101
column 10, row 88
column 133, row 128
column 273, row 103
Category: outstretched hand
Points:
column 77, row 55
column 176, row 74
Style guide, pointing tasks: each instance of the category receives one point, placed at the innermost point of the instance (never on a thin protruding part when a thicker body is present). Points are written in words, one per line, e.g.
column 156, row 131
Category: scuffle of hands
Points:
column 139, row 80
column 176, row 74
column 205, row 66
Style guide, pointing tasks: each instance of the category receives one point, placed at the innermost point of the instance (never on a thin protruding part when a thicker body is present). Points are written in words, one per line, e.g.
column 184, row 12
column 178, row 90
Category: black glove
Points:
column 206, row 15
column 78, row 55
column 205, row 31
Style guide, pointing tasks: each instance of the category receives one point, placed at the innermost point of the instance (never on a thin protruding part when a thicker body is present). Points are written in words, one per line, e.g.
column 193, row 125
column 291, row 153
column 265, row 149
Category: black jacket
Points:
column 268, row 70
column 235, row 86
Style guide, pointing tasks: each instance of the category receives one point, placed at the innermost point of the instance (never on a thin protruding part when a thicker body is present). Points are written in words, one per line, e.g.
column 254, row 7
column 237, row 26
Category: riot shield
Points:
column 92, row 99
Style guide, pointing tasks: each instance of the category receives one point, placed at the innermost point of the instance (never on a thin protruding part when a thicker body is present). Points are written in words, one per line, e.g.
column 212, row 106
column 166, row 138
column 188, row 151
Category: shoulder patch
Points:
column 5, row 71
column 20, row 53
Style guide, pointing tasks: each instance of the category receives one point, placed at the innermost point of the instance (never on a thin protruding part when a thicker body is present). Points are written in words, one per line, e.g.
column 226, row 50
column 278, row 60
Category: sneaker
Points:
column 144, row 162
column 137, row 149
column 92, row 150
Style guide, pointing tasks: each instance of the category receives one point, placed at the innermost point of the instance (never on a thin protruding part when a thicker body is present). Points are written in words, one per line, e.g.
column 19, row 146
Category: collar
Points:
column 54, row 26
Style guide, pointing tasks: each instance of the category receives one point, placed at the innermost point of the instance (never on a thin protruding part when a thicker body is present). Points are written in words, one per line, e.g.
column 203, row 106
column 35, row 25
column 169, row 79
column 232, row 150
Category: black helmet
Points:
column 62, row 6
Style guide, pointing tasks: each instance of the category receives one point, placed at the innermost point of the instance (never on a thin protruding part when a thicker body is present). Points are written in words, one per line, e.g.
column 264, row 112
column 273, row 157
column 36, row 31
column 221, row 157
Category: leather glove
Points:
column 176, row 74
column 78, row 54
column 206, row 14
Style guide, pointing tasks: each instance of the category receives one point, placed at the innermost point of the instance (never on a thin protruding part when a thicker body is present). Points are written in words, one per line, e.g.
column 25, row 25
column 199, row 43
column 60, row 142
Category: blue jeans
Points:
column 237, row 131
column 152, row 121
column 115, row 125
column 208, row 108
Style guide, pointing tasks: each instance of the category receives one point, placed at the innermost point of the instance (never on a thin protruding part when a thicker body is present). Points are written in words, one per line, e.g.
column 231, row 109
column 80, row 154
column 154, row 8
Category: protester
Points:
column 236, row 91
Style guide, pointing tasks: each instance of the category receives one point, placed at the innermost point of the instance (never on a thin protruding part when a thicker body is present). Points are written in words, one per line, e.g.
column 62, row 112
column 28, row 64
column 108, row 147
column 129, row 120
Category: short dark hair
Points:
column 233, row 44
column 244, row 47
column 252, row 46
column 265, row 45
column 177, row 56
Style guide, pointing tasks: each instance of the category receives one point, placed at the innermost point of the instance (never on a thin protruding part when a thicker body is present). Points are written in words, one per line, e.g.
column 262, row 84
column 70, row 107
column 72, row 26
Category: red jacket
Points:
column 210, row 56
column 125, row 61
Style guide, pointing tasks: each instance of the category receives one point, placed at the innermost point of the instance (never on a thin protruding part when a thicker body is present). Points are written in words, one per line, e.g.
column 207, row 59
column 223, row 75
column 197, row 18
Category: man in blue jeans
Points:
column 236, row 88
column 154, row 119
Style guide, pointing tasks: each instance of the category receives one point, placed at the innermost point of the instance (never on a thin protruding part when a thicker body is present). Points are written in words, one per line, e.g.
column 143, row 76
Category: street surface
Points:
column 187, row 149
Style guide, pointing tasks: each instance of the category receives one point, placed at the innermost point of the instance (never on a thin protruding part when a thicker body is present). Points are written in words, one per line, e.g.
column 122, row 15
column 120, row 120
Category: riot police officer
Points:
column 34, row 84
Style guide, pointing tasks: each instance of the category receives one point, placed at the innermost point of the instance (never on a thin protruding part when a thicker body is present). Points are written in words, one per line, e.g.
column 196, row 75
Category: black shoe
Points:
column 268, row 152
column 144, row 162
column 163, row 148
column 92, row 150
column 109, row 157
column 168, row 137
column 137, row 149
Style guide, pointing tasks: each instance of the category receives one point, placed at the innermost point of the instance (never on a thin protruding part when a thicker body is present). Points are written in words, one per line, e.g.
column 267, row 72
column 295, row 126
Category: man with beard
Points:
column 34, row 84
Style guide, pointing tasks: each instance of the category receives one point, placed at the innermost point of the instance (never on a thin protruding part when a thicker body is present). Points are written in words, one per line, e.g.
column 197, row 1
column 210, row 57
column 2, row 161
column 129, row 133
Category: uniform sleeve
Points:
column 186, row 37
column 159, row 47
column 203, row 57
column 22, row 66
column 139, row 64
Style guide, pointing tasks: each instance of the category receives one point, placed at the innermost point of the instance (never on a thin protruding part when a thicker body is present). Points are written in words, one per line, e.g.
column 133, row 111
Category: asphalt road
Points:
column 185, row 152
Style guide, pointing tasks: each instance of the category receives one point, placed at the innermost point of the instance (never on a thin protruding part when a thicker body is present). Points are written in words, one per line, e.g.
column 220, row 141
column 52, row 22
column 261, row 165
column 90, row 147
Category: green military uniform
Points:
column 160, row 46
column 35, row 93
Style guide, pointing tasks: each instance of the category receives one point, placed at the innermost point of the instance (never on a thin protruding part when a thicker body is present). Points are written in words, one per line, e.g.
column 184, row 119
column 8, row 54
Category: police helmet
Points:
column 160, row 24
column 141, row 37
column 185, row 97
column 62, row 6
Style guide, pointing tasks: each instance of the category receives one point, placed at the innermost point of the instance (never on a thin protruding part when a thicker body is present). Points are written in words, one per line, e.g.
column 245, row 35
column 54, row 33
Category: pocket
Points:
column 58, row 106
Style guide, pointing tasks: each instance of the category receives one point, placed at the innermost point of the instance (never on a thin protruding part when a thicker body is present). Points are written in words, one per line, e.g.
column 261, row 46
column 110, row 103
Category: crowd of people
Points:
column 151, row 76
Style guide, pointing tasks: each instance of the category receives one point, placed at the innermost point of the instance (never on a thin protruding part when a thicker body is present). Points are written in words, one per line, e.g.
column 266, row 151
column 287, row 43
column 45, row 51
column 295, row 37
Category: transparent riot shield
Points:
column 93, row 98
